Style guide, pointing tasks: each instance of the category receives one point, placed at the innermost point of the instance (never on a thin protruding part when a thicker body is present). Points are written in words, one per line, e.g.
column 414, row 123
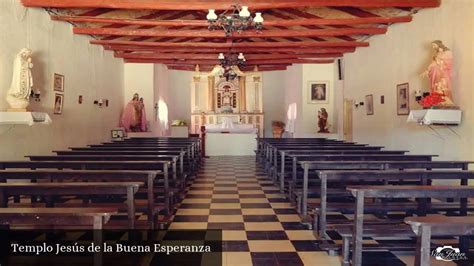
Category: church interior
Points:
column 246, row 132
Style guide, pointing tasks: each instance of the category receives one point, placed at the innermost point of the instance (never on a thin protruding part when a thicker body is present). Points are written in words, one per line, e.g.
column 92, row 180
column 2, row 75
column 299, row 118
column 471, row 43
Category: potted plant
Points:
column 278, row 128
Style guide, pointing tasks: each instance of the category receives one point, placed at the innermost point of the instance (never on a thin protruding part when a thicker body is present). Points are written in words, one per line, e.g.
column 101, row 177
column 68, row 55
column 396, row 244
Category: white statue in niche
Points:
column 22, row 81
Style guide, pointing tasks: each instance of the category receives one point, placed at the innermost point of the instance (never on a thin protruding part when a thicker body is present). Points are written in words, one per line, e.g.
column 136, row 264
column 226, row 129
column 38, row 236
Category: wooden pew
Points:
column 288, row 160
column 94, row 218
column 184, row 170
column 160, row 169
column 369, row 165
column 150, row 178
column 363, row 192
column 359, row 158
column 76, row 189
column 438, row 225
column 423, row 176
column 172, row 158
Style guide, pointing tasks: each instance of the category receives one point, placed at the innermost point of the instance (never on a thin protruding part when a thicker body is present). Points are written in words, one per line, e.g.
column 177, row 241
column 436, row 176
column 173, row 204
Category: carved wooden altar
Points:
column 213, row 98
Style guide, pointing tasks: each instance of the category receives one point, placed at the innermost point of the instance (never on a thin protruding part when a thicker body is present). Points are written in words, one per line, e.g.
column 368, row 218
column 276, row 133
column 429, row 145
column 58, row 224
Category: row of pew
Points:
column 324, row 176
column 86, row 186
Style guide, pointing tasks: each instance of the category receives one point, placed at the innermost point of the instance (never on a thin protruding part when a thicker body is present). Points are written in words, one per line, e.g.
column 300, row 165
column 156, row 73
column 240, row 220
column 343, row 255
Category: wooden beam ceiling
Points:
column 246, row 50
column 248, row 57
column 235, row 45
column 174, row 32
column 204, row 23
column 220, row 34
column 225, row 4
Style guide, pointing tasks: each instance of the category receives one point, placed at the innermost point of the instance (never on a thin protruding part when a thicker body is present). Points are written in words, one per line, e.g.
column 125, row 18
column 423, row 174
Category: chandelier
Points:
column 229, row 62
column 235, row 20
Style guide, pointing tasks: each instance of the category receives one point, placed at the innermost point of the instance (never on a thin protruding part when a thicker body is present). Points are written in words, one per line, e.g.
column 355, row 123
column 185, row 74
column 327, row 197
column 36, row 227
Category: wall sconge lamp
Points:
column 101, row 102
column 358, row 104
column 35, row 94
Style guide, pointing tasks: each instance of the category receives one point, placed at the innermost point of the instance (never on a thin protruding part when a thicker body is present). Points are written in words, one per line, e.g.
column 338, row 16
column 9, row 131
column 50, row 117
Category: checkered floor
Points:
column 260, row 226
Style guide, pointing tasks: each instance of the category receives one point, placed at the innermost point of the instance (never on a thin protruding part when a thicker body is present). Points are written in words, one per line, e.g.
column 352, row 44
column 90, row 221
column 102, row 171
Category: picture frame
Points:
column 58, row 103
column 369, row 104
column 318, row 92
column 58, row 82
column 403, row 99
column 117, row 134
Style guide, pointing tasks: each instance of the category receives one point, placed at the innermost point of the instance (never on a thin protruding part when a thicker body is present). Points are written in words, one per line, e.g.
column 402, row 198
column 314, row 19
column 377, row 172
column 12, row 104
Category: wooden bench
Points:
column 296, row 158
column 94, row 218
column 369, row 165
column 78, row 188
column 438, row 225
column 150, row 178
column 361, row 193
column 423, row 176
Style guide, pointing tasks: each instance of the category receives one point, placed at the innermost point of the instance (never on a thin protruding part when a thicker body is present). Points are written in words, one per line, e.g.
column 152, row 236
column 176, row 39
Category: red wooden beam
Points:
column 215, row 62
column 221, row 34
column 236, row 45
column 295, row 50
column 224, row 4
column 249, row 57
column 206, row 68
column 204, row 23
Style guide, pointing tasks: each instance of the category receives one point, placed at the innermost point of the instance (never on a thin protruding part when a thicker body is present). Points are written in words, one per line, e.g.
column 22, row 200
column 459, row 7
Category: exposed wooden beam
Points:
column 221, row 34
column 204, row 23
column 215, row 62
column 249, row 57
column 205, row 68
column 235, row 45
column 224, row 4
column 295, row 50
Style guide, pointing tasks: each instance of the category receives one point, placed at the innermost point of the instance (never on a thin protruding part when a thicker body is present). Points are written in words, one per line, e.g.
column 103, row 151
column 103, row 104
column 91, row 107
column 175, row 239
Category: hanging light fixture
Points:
column 236, row 20
column 228, row 62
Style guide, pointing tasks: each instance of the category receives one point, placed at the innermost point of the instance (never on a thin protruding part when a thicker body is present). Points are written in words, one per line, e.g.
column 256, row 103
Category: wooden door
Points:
column 348, row 119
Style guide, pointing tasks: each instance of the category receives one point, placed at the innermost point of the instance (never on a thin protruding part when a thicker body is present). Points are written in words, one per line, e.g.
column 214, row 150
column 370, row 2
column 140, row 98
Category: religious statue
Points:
column 134, row 116
column 22, row 81
column 323, row 121
column 439, row 73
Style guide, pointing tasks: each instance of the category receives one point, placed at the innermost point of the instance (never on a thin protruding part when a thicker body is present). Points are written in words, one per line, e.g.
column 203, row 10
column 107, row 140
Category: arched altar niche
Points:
column 213, row 99
column 227, row 97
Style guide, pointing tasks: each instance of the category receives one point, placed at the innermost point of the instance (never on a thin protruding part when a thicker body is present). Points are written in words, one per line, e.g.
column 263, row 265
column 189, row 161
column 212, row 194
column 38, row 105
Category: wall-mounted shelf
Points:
column 436, row 117
column 24, row 118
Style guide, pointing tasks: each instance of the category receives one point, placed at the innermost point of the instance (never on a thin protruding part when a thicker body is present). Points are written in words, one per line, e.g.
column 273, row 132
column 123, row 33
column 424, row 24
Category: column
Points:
column 243, row 95
column 197, row 104
column 210, row 94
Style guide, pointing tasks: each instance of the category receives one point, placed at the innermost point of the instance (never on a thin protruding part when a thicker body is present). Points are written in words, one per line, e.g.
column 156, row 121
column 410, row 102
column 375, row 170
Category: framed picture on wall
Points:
column 369, row 104
column 318, row 92
column 403, row 99
column 58, row 82
column 58, row 103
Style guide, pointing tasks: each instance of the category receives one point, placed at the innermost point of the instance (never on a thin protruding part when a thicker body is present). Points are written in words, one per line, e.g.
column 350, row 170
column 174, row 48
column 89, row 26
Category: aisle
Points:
column 259, row 226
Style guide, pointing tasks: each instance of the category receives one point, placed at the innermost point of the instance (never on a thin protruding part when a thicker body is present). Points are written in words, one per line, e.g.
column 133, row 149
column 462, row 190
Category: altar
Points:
column 214, row 99
column 237, row 102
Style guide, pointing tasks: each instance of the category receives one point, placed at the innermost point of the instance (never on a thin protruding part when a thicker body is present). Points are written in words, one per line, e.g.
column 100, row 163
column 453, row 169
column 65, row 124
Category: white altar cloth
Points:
column 235, row 128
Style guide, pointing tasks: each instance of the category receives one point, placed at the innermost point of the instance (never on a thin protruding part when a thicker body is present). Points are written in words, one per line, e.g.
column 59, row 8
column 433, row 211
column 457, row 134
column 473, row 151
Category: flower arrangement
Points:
column 278, row 124
column 433, row 99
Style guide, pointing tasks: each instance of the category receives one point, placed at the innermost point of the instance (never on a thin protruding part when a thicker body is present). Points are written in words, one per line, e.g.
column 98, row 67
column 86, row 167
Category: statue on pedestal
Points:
column 18, row 95
column 439, row 73
column 134, row 116
column 323, row 121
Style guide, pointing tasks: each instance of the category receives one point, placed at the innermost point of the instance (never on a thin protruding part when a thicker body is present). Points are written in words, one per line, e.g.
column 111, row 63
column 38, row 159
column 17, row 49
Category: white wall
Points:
column 180, row 95
column 274, row 104
column 311, row 73
column 88, row 71
column 293, row 94
column 399, row 57
column 138, row 78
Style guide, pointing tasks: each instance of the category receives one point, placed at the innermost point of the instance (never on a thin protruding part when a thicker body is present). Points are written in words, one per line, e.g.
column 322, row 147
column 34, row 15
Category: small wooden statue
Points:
column 323, row 121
